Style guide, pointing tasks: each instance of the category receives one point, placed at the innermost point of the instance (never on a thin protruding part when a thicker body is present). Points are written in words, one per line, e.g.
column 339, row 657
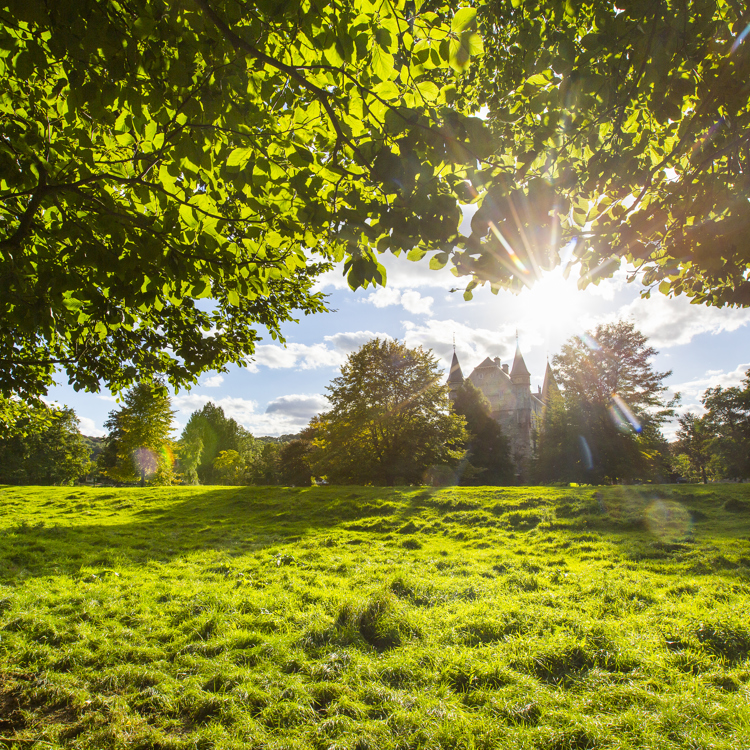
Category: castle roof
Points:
column 455, row 376
column 519, row 368
column 487, row 363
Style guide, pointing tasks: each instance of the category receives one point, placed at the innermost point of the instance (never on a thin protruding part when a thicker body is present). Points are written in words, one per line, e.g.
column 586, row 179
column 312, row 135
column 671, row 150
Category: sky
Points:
column 283, row 386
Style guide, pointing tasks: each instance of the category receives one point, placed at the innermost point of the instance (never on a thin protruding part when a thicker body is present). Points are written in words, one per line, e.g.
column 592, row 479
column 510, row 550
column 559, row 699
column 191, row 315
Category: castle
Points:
column 514, row 406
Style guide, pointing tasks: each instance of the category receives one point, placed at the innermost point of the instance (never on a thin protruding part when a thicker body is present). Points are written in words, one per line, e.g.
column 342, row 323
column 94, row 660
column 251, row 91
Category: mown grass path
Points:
column 358, row 618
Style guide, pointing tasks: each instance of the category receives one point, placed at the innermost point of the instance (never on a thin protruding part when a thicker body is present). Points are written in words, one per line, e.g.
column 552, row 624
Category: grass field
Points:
column 373, row 618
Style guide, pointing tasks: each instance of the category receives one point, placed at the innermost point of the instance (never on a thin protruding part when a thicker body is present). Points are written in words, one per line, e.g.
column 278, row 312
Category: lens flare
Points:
column 588, row 460
column 710, row 133
column 667, row 519
column 508, row 249
column 590, row 342
column 145, row 460
column 623, row 418
column 740, row 38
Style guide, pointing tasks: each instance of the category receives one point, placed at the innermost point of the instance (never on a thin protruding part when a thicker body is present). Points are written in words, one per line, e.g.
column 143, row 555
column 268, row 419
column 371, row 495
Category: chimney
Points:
column 505, row 369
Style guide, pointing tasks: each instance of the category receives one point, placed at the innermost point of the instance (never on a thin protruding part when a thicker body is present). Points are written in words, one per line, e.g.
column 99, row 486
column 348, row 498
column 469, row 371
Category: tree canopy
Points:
column 207, row 434
column 488, row 450
column 155, row 154
column 389, row 421
column 623, row 126
column 46, row 449
column 175, row 175
column 139, row 443
column 727, row 419
column 608, row 427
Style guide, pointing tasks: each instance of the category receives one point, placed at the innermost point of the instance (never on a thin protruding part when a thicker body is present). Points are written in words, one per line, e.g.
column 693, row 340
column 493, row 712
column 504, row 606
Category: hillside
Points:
column 344, row 617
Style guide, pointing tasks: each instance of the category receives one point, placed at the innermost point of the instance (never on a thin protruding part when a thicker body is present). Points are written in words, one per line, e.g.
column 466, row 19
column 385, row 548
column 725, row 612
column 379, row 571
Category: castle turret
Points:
column 521, row 379
column 520, row 374
column 455, row 377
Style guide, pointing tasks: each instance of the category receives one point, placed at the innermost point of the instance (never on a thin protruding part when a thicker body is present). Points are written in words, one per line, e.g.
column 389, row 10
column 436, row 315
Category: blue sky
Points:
column 284, row 386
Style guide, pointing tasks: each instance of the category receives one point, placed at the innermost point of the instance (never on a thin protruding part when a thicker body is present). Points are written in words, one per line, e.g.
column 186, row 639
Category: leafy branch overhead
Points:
column 174, row 176
column 624, row 127
column 156, row 154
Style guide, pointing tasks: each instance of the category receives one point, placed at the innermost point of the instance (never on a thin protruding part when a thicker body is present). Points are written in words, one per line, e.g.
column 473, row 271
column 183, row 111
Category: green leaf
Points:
column 187, row 214
column 464, row 19
column 438, row 261
column 382, row 64
column 239, row 157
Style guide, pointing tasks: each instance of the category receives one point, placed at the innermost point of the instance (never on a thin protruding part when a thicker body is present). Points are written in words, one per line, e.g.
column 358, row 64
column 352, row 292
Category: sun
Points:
column 554, row 304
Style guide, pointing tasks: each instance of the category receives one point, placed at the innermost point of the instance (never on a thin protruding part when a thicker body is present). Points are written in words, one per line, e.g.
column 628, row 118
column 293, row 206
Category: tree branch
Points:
column 24, row 225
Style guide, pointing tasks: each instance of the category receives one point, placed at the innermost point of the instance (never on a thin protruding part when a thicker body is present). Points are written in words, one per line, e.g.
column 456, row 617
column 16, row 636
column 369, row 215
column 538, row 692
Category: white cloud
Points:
column 411, row 300
column 332, row 352
column 299, row 405
column 214, row 381
column 401, row 274
column 472, row 344
column 675, row 322
column 606, row 288
column 384, row 297
column 277, row 421
column 88, row 427
column 692, row 390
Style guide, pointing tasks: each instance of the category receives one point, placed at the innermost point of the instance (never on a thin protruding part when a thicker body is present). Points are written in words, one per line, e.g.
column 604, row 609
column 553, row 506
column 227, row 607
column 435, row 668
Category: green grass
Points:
column 341, row 617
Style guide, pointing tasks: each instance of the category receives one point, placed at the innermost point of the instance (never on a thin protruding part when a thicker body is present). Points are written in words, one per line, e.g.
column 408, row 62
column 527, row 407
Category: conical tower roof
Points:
column 519, row 369
column 455, row 376
column 550, row 388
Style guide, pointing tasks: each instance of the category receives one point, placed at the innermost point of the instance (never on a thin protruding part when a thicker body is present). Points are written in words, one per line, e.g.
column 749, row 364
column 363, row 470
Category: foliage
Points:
column 694, row 443
column 728, row 419
column 390, row 420
column 46, row 447
column 562, row 453
column 511, row 618
column 139, row 443
column 615, row 407
column 619, row 126
column 229, row 467
column 296, row 458
column 207, row 433
column 153, row 155
column 488, row 451
column 264, row 469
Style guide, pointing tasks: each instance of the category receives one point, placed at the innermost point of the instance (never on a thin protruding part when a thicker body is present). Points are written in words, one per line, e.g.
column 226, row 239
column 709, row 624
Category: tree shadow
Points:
column 133, row 526
column 52, row 532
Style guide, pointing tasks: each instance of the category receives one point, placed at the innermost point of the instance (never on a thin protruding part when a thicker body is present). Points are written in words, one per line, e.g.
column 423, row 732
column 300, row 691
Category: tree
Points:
column 621, row 127
column 229, row 467
column 488, row 452
column 390, row 419
column 207, row 433
column 694, row 442
column 616, row 399
column 265, row 467
column 48, row 449
column 296, row 458
column 139, row 443
column 728, row 419
column 562, row 452
column 153, row 154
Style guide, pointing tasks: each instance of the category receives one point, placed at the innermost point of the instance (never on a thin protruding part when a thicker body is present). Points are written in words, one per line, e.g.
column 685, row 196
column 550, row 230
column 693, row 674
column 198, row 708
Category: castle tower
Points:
column 455, row 377
column 521, row 379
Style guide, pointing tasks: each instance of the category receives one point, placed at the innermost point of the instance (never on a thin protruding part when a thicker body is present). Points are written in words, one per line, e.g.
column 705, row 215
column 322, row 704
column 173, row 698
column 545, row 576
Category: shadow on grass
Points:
column 62, row 530
column 51, row 531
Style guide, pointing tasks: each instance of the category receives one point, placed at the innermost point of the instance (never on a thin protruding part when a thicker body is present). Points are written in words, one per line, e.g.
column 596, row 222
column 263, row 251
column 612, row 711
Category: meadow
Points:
column 375, row 618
